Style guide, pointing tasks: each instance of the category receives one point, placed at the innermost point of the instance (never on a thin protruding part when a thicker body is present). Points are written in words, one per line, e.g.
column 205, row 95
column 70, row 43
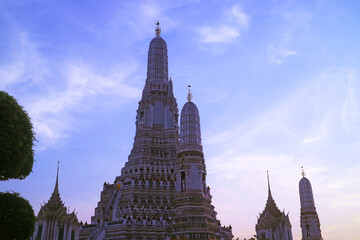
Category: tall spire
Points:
column 270, row 203
column 157, row 29
column 158, row 107
column 56, row 189
column 55, row 200
column 272, row 221
column 269, row 190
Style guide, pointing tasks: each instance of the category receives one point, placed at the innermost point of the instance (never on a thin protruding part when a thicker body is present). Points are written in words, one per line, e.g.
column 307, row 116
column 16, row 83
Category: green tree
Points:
column 16, row 139
column 17, row 219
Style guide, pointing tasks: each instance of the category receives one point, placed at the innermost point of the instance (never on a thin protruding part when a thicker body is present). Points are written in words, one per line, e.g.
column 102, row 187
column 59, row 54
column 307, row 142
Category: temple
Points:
column 309, row 220
column 161, row 192
column 273, row 224
column 53, row 221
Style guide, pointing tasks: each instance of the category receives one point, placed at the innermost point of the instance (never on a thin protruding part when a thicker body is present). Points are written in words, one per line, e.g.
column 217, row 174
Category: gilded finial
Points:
column 157, row 29
column 189, row 96
column 303, row 173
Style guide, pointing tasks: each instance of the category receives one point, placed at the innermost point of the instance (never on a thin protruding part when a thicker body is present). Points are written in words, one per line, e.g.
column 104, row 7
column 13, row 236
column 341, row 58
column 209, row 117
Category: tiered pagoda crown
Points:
column 157, row 69
column 158, row 107
column 306, row 193
column 190, row 134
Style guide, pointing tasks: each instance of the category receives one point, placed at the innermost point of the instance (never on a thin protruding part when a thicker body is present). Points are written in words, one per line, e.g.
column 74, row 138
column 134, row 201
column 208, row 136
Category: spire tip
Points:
column 302, row 171
column 157, row 29
column 57, row 178
column 269, row 190
column 189, row 96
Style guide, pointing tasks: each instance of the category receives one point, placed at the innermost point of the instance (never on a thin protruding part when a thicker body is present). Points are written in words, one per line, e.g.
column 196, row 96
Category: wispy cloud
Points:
column 25, row 63
column 235, row 21
column 51, row 92
column 291, row 26
column 236, row 15
column 220, row 34
column 278, row 54
column 289, row 135
column 325, row 98
column 351, row 111
column 80, row 91
column 142, row 27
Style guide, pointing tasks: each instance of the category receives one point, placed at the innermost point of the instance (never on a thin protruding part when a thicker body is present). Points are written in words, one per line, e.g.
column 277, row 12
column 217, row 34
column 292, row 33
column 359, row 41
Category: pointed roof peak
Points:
column 55, row 200
column 270, row 206
column 270, row 203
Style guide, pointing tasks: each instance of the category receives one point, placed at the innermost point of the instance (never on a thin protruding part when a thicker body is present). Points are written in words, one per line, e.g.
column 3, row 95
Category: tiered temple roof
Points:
column 272, row 223
column 53, row 221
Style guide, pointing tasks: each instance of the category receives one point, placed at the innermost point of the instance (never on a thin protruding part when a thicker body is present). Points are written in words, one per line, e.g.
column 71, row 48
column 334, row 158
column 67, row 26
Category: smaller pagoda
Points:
column 272, row 224
column 53, row 221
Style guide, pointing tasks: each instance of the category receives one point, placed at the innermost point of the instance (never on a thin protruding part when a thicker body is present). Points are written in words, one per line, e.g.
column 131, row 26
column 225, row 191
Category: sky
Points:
column 277, row 84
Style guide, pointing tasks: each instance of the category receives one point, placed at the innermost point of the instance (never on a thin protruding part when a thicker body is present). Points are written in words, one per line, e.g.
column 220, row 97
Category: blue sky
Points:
column 276, row 82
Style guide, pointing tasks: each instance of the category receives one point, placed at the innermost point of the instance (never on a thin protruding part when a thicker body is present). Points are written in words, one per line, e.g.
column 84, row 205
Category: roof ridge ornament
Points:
column 302, row 173
column 189, row 96
column 157, row 29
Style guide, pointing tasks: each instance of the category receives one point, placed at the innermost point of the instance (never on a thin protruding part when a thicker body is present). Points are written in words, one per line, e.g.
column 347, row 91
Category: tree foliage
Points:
column 16, row 139
column 17, row 218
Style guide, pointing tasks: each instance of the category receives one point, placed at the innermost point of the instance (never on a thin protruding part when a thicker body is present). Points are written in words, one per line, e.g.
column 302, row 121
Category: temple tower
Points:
column 194, row 216
column 144, row 202
column 273, row 224
column 309, row 220
column 138, row 204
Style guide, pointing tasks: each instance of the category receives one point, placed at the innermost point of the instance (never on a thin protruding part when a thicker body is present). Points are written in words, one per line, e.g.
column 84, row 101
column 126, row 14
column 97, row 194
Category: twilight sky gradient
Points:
column 277, row 84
